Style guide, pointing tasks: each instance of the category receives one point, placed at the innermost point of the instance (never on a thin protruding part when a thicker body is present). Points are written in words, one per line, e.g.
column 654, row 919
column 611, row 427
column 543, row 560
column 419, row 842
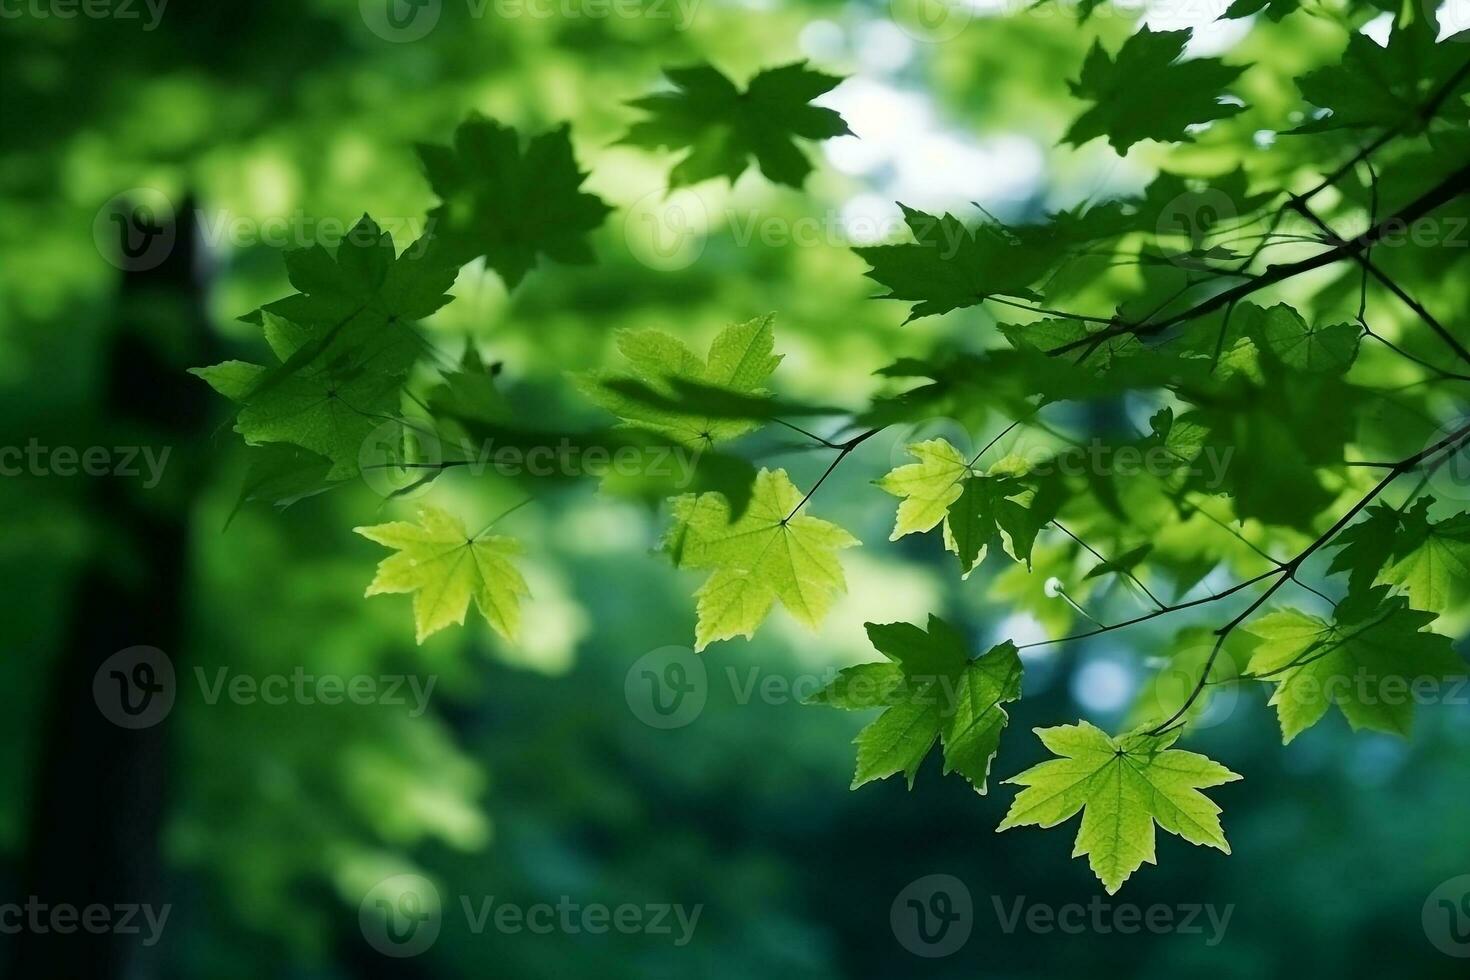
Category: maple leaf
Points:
column 281, row 474
column 1384, row 86
column 1430, row 560
column 365, row 279
column 508, row 205
column 328, row 404
column 1147, row 93
column 1124, row 787
column 722, row 127
column 1365, row 547
column 362, row 291
column 930, row 691
column 444, row 567
column 1286, row 336
column 1365, row 662
column 740, row 361
column 941, row 486
column 928, row 486
column 998, row 502
column 949, row 267
column 765, row 555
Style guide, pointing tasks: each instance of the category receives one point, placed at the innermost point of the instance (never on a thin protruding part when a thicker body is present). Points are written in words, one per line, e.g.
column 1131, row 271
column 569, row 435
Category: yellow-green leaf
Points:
column 927, row 487
column 766, row 555
column 444, row 567
column 1124, row 787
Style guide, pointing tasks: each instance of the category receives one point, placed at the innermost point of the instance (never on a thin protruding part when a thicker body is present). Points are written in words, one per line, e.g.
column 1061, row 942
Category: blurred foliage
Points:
column 529, row 777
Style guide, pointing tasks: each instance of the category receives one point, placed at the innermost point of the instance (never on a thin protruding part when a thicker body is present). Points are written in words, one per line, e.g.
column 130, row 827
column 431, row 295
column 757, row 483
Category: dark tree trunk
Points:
column 100, row 790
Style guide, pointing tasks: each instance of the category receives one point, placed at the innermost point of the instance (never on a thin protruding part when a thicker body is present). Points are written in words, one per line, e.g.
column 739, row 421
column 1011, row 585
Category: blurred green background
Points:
column 532, row 774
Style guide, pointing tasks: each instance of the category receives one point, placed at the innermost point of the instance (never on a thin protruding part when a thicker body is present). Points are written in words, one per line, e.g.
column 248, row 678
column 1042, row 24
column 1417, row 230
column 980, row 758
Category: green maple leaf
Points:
column 950, row 267
column 930, row 691
column 1376, row 86
column 508, row 205
column 1365, row 662
column 469, row 391
column 740, row 361
column 280, row 474
column 1364, row 548
column 927, row 487
column 722, row 127
column 1147, row 93
column 328, row 404
column 999, row 503
column 1272, row 438
column 1428, row 560
column 364, row 290
column 1124, row 787
column 1286, row 336
column 444, row 567
column 974, row 508
column 765, row 555
column 364, row 281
